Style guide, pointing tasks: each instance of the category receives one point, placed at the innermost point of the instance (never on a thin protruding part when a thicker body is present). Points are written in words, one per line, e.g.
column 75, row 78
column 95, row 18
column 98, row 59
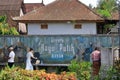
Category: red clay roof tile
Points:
column 61, row 10
column 115, row 16
column 31, row 6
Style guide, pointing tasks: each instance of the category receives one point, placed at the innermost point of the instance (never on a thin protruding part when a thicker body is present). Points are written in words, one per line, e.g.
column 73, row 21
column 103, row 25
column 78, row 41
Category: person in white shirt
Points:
column 11, row 57
column 29, row 56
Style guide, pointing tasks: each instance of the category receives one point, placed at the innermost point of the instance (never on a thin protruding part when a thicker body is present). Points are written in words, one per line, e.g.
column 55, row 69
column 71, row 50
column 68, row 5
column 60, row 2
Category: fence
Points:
column 56, row 48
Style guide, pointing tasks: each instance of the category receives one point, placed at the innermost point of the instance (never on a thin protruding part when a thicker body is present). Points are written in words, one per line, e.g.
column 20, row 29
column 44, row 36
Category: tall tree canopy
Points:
column 106, row 7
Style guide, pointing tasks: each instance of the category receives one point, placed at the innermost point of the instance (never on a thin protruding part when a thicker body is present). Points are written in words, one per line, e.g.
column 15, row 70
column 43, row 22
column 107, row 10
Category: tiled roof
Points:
column 10, row 4
column 115, row 15
column 10, row 8
column 31, row 6
column 61, row 10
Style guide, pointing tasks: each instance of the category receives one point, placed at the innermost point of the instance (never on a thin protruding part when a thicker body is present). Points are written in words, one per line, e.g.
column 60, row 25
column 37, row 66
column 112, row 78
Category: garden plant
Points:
column 17, row 73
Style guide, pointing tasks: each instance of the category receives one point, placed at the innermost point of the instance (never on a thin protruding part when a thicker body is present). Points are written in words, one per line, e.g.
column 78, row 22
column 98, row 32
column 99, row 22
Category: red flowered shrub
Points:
column 21, row 74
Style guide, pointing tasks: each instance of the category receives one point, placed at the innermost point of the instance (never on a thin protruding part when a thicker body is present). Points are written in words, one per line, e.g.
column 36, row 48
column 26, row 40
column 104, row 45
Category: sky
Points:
column 87, row 2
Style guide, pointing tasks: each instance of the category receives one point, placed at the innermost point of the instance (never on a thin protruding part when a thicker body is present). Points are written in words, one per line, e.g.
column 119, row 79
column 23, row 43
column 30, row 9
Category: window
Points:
column 44, row 26
column 77, row 26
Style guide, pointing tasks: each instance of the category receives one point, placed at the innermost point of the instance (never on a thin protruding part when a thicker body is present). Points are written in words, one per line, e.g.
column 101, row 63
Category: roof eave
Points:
column 57, row 21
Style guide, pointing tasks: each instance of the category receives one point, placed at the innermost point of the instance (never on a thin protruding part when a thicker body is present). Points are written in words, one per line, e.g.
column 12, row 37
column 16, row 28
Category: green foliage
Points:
column 107, row 27
column 112, row 74
column 17, row 73
column 5, row 29
column 108, row 74
column 104, row 13
column 3, row 19
column 13, row 31
column 14, row 73
column 106, row 7
column 82, row 69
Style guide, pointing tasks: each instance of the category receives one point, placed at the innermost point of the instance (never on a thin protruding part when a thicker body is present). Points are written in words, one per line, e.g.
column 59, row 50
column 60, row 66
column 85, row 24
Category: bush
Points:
column 5, row 29
column 106, row 73
column 82, row 69
column 17, row 73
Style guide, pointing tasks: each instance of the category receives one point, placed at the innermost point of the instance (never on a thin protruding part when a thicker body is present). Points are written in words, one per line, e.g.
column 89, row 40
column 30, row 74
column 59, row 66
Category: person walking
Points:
column 11, row 57
column 29, row 57
column 96, row 59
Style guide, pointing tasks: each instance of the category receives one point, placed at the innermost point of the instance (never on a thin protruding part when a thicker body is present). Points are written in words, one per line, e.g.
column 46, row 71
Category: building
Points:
column 31, row 6
column 12, row 8
column 61, row 17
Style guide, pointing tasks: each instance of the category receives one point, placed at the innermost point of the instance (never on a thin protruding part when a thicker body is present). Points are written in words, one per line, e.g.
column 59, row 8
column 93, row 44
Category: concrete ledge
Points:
column 52, row 65
column 3, row 64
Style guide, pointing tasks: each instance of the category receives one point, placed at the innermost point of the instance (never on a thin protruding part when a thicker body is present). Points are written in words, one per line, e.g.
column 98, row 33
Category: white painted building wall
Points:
column 61, row 28
column 106, row 57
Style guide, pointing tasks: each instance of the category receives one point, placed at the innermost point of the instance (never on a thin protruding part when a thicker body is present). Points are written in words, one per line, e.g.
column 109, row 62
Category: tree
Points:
column 105, row 8
column 5, row 29
column 90, row 6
